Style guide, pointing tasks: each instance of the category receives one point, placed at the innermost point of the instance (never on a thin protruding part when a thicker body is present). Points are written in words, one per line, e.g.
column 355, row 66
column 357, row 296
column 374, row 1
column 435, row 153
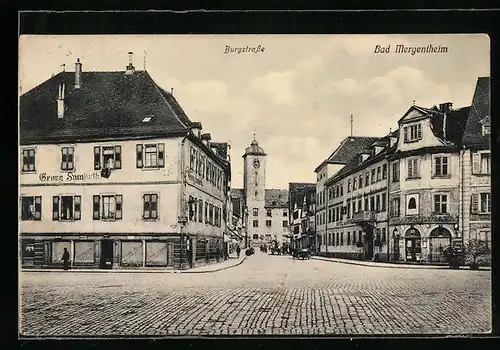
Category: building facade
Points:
column 302, row 198
column 267, row 209
column 112, row 169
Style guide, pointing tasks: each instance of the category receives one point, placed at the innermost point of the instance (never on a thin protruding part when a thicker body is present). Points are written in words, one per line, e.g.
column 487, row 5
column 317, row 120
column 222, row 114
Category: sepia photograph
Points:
column 246, row 185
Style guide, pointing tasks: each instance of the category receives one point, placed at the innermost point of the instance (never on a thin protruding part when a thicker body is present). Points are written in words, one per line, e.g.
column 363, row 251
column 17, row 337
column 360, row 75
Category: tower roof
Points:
column 254, row 149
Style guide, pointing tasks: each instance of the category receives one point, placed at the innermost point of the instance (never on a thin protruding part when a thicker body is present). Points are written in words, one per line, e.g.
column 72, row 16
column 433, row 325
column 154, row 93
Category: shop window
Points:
column 150, row 206
column 31, row 208
column 84, row 252
column 108, row 157
column 28, row 160
column 67, row 158
column 157, row 253
column 58, row 251
column 27, row 250
column 66, row 208
column 131, row 253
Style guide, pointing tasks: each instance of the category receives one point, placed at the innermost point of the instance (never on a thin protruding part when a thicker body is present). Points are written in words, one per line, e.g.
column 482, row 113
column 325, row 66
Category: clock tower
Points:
column 254, row 187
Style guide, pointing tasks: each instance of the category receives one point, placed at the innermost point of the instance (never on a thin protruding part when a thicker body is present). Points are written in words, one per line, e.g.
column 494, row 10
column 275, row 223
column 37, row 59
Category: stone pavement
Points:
column 391, row 265
column 266, row 295
column 232, row 261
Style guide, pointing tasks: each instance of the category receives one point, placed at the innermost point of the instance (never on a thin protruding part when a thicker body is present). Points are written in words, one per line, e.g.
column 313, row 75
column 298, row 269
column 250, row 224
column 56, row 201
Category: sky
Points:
column 296, row 95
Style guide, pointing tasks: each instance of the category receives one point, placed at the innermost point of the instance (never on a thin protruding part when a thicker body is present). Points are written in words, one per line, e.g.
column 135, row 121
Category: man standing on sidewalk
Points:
column 238, row 251
column 65, row 258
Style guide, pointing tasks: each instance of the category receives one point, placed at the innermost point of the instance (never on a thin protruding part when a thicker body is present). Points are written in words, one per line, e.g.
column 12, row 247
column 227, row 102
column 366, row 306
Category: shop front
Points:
column 413, row 245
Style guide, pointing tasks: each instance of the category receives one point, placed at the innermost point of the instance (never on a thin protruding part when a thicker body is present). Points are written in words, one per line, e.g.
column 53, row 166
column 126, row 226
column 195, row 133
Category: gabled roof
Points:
column 276, row 198
column 348, row 148
column 455, row 124
column 422, row 111
column 298, row 190
column 479, row 110
column 107, row 105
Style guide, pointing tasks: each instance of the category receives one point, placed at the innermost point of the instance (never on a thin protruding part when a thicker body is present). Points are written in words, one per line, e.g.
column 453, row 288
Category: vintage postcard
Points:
column 239, row 185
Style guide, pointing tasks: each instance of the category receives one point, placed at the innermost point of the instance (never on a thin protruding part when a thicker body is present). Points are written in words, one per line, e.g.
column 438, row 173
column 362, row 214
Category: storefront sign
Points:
column 68, row 177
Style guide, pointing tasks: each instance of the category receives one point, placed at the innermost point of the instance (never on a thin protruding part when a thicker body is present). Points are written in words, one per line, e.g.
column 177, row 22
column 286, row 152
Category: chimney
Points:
column 78, row 74
column 206, row 139
column 444, row 126
column 196, row 128
column 130, row 67
column 60, row 100
column 445, row 107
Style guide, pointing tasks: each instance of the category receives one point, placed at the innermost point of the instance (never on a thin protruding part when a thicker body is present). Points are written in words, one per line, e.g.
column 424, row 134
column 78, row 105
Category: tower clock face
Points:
column 256, row 163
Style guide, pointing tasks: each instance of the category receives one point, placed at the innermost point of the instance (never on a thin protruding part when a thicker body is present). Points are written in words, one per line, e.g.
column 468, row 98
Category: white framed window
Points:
column 412, row 132
column 486, row 130
column 481, row 162
column 150, row 156
column 107, row 157
column 440, row 203
column 413, row 168
column 108, row 207
column 412, row 204
column 67, row 158
column 441, row 166
column 31, row 208
column 66, row 208
column 28, row 160
column 150, row 206
column 481, row 203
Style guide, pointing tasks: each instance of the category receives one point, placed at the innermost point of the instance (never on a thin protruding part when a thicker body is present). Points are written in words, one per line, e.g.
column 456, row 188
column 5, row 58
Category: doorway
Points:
column 369, row 243
column 413, row 245
column 106, row 254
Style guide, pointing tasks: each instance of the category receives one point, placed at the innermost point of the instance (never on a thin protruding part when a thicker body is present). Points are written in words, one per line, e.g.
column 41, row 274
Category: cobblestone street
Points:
column 271, row 295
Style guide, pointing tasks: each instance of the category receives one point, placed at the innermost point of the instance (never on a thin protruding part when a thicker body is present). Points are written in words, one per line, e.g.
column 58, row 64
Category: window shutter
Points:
column 119, row 201
column 405, row 131
column 474, row 203
column 97, row 158
column 96, row 207
column 77, row 201
column 161, row 155
column 55, row 208
column 139, row 161
column 410, row 168
column 476, row 163
column 118, row 157
column 38, row 207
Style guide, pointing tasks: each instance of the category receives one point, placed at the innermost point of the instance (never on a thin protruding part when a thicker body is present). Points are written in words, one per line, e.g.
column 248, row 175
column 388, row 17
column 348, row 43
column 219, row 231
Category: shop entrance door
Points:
column 106, row 254
column 413, row 245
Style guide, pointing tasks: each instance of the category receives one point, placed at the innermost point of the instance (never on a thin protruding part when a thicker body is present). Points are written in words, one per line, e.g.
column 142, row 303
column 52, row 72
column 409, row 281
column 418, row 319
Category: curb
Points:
column 414, row 267
column 132, row 271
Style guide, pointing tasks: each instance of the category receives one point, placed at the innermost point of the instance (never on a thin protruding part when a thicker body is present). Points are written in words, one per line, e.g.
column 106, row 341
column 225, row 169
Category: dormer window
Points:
column 147, row 119
column 486, row 129
column 412, row 133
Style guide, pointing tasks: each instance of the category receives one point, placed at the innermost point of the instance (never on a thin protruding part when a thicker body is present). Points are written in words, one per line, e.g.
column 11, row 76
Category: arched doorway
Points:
column 413, row 245
column 439, row 239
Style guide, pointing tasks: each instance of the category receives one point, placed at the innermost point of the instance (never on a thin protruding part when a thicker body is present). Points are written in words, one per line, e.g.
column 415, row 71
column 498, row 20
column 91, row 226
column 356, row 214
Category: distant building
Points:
column 302, row 199
column 267, row 208
column 113, row 170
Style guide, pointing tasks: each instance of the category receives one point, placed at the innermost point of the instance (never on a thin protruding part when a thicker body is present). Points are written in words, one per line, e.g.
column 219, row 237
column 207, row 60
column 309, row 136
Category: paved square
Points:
column 271, row 295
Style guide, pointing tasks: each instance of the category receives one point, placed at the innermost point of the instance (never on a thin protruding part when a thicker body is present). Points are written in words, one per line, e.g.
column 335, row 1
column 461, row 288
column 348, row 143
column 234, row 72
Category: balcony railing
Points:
column 362, row 216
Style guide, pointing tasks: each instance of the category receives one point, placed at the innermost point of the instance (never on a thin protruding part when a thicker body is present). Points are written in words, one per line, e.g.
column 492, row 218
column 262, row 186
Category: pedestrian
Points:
column 65, row 258
column 238, row 251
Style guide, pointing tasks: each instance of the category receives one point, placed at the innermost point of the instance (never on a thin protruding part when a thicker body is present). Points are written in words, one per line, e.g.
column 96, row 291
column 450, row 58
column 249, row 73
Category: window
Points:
column 348, row 208
column 285, row 214
column 361, row 181
column 67, row 158
column 372, row 203
column 395, row 207
column 353, row 206
column 337, row 239
column 384, row 235
column 395, row 172
column 413, row 168
column 268, row 223
column 412, row 206
column 66, row 208
column 360, row 203
column 341, row 189
column 285, row 223
column 367, row 178
column 485, row 203
column 152, row 156
column 354, row 183
column 150, row 206
column 377, row 203
column 353, row 237
column 341, row 238
column 485, row 163
column 256, row 223
column 348, row 238
column 383, row 201
column 268, row 212
column 384, row 171
column 29, row 160
column 486, row 130
column 440, row 203
column 255, row 236
column 440, row 166
column 367, row 208
column 373, row 176
column 107, row 207
column 348, row 185
column 412, row 132
column 255, row 212
column 379, row 173
column 31, row 208
column 360, row 236
column 108, row 157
